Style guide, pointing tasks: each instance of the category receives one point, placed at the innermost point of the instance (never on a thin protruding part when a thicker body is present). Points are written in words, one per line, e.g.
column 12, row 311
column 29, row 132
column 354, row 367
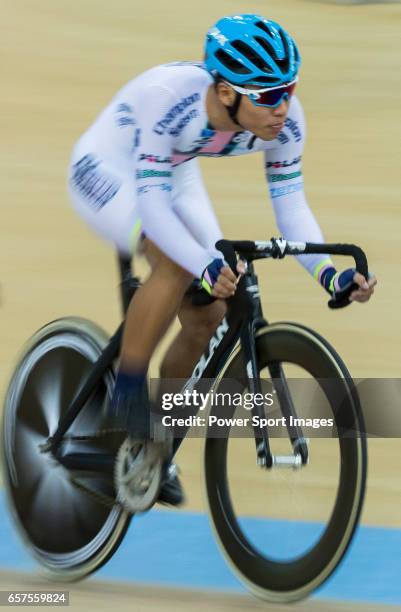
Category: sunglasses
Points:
column 270, row 96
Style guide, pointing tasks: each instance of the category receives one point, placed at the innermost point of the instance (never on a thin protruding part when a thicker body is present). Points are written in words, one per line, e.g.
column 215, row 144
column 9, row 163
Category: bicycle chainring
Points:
column 138, row 473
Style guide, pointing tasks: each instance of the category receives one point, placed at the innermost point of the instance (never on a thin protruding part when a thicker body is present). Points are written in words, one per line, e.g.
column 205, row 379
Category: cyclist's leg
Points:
column 150, row 313
column 155, row 305
column 197, row 327
column 198, row 324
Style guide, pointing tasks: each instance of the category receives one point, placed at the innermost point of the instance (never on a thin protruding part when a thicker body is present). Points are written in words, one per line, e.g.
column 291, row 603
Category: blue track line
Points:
column 177, row 549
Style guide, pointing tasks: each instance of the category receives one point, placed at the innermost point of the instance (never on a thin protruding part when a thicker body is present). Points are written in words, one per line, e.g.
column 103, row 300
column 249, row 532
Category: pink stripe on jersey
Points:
column 214, row 146
column 218, row 142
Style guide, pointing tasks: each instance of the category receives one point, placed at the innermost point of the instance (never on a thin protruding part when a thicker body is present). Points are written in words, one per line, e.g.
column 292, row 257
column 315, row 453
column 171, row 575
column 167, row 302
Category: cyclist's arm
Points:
column 295, row 220
column 192, row 204
column 159, row 220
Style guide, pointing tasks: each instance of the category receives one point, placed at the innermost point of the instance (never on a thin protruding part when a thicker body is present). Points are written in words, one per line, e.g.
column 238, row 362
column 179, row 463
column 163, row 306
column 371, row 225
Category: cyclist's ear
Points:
column 225, row 93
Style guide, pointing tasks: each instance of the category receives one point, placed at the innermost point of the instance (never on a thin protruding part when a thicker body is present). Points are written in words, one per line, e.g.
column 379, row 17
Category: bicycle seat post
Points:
column 128, row 284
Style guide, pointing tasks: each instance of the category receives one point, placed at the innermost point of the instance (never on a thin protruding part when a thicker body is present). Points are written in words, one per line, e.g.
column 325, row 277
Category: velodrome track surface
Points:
column 96, row 595
column 63, row 61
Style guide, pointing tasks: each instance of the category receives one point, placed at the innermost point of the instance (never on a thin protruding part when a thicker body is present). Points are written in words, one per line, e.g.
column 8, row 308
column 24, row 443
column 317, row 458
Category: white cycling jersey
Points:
column 135, row 169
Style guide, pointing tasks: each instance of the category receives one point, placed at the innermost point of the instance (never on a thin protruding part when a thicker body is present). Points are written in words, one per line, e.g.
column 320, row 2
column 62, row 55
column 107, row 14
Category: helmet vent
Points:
column 250, row 54
column 284, row 64
column 265, row 28
column 267, row 80
column 266, row 46
column 231, row 63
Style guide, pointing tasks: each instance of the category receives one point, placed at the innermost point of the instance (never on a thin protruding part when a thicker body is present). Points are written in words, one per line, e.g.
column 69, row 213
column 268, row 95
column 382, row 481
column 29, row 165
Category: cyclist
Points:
column 135, row 179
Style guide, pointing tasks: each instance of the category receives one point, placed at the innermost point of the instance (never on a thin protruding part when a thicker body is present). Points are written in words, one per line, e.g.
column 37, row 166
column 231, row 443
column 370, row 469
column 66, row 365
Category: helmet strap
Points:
column 233, row 109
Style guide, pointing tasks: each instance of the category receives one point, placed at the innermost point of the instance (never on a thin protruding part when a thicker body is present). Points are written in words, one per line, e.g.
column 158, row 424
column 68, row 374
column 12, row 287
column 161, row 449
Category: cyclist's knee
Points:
column 164, row 267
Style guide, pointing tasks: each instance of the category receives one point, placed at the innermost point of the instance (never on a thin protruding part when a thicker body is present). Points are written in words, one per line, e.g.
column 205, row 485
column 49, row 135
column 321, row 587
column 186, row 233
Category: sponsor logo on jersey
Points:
column 124, row 108
column 155, row 159
column 240, row 137
column 141, row 174
column 161, row 126
column 284, row 163
column 124, row 115
column 124, row 121
column 95, row 186
column 176, row 131
column 275, row 178
column 277, row 192
column 137, row 139
column 206, row 136
column 294, row 129
column 283, row 138
column 160, row 187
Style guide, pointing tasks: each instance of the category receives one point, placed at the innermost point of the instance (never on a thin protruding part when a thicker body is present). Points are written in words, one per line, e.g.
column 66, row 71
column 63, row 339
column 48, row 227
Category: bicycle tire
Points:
column 47, row 375
column 277, row 581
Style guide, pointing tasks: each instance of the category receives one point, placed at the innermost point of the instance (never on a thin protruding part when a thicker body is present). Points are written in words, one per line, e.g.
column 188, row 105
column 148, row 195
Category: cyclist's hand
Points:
column 219, row 280
column 342, row 280
column 366, row 288
column 227, row 282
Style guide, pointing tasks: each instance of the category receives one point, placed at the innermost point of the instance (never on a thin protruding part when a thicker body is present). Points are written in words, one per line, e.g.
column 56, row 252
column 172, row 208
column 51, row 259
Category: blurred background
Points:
column 61, row 64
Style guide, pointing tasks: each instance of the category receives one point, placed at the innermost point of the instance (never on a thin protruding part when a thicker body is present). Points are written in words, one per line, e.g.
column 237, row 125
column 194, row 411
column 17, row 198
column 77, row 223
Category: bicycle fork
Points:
column 264, row 456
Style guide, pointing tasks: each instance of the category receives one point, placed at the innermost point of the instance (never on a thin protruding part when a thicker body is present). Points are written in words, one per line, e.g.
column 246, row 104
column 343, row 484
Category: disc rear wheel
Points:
column 70, row 531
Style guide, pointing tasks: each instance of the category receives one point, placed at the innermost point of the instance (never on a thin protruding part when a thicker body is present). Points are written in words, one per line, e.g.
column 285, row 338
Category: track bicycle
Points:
column 59, row 457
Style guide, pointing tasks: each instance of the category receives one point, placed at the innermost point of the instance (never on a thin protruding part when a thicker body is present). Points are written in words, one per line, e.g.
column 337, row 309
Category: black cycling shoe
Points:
column 171, row 492
column 129, row 410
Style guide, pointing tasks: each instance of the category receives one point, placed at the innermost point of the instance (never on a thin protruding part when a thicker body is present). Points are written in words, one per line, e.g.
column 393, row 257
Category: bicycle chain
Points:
column 97, row 434
column 105, row 500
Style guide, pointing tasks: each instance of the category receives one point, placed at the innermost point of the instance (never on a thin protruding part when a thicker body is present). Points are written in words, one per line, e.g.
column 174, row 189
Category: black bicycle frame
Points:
column 243, row 319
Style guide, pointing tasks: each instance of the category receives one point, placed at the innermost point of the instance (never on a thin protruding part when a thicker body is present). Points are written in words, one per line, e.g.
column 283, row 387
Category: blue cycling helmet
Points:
column 249, row 49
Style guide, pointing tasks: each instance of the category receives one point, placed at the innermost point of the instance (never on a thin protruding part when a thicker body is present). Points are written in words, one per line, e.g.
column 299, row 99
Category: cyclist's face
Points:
column 264, row 122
